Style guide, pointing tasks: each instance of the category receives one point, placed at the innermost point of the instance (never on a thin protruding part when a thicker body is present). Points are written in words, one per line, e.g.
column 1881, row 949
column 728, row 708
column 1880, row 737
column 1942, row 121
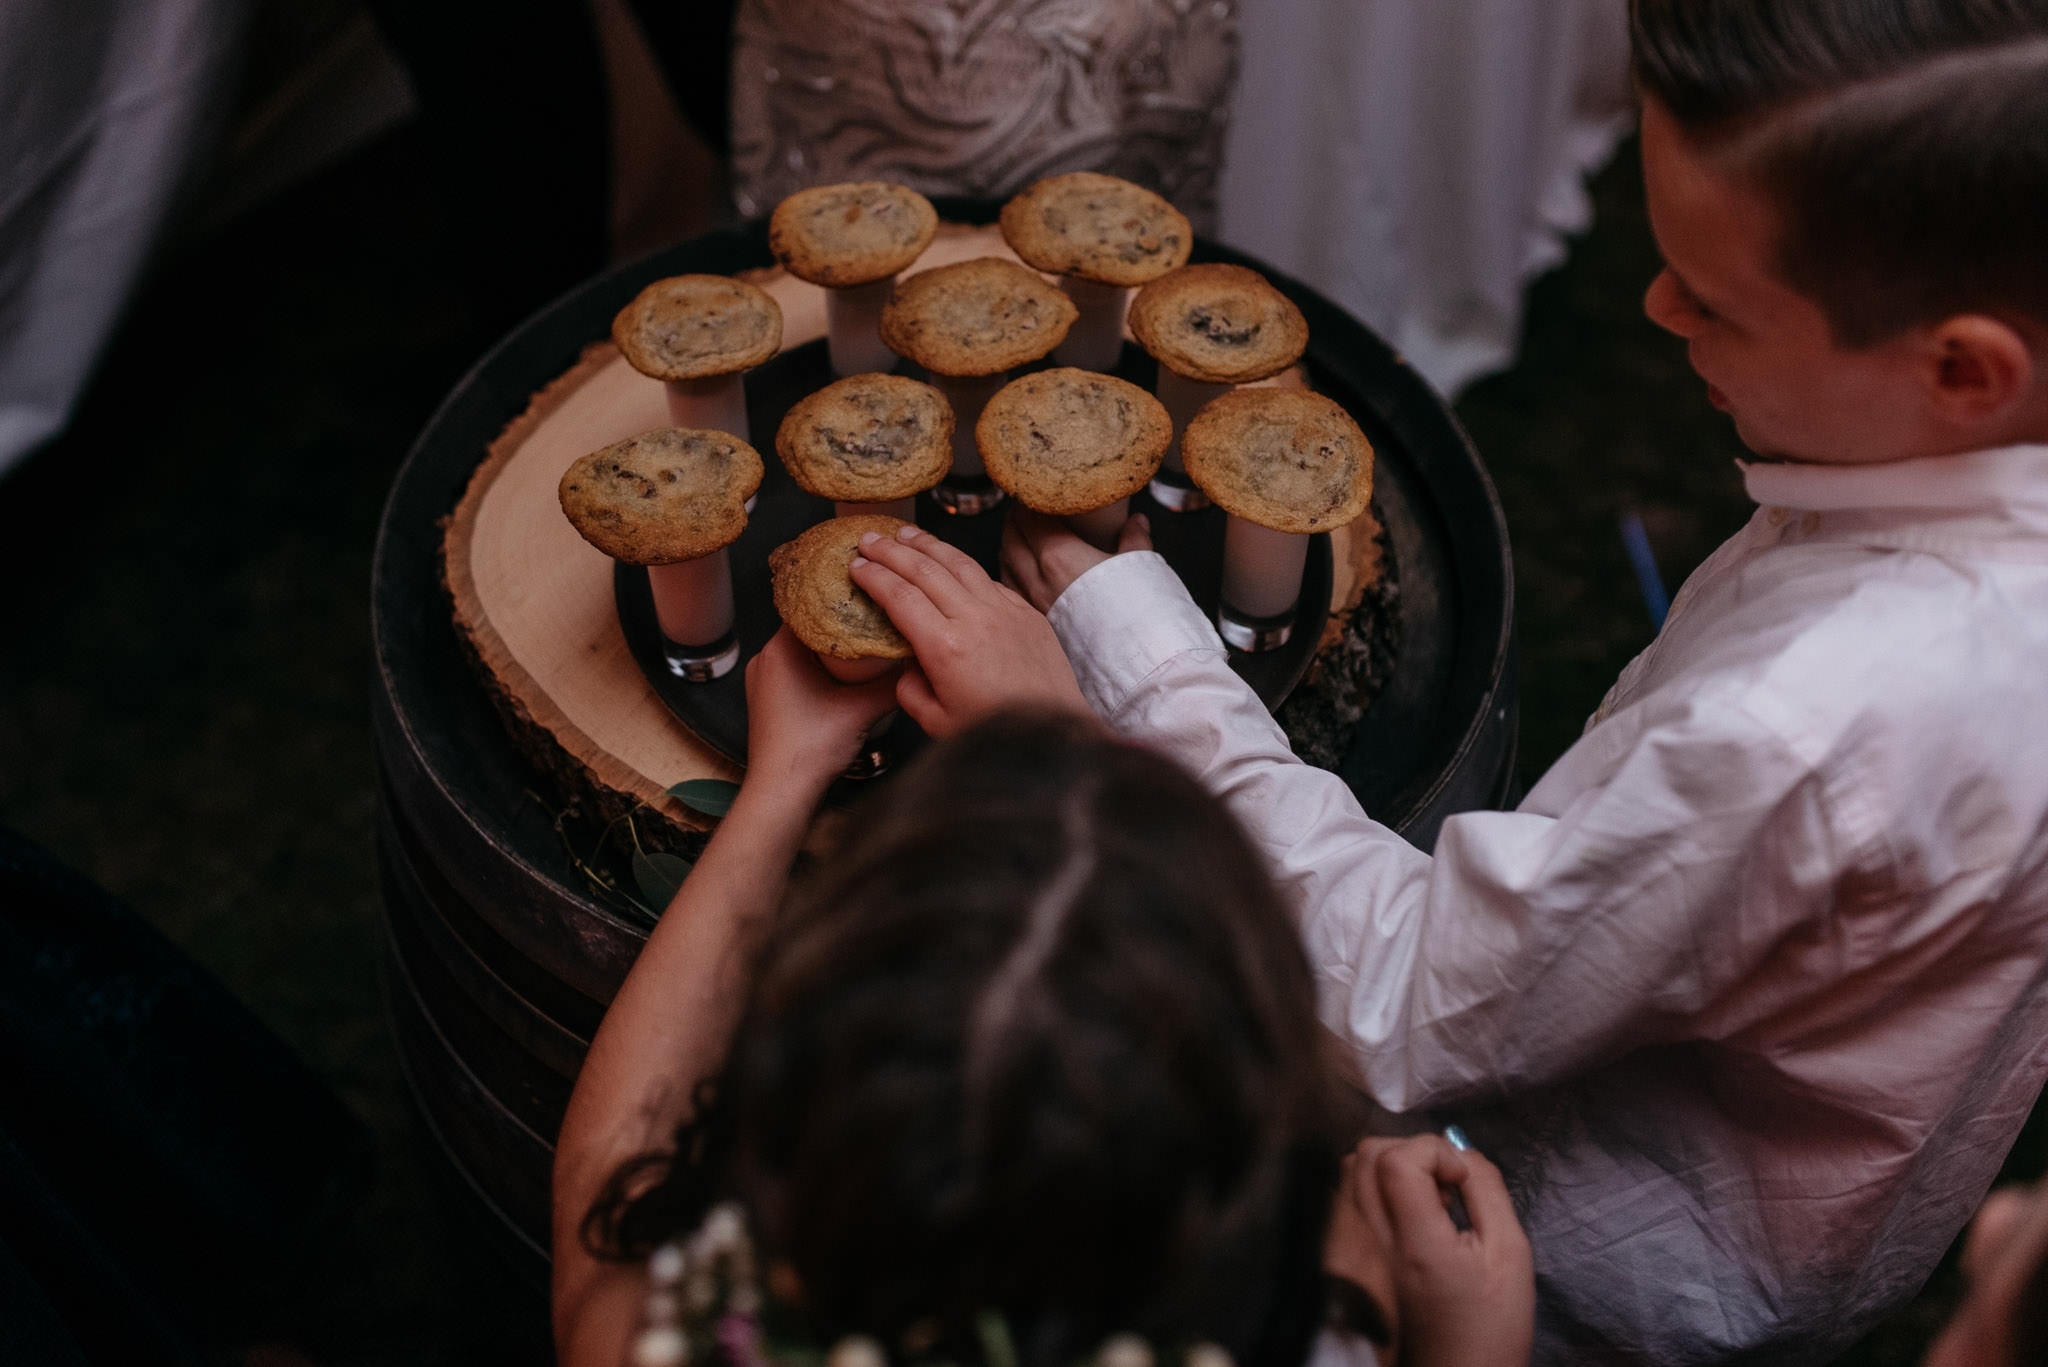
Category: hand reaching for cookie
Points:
column 1042, row 556
column 981, row 648
column 803, row 728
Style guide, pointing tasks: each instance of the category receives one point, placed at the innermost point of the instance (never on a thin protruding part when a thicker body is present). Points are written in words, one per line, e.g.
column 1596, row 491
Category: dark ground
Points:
column 183, row 697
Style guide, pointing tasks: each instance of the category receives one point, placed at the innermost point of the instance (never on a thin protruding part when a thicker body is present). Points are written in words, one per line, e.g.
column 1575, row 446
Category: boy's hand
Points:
column 1467, row 1298
column 1042, row 556
column 980, row 647
column 803, row 726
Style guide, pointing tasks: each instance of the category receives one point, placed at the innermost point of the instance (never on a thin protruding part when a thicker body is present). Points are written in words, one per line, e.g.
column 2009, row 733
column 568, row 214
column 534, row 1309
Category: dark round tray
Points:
column 717, row 711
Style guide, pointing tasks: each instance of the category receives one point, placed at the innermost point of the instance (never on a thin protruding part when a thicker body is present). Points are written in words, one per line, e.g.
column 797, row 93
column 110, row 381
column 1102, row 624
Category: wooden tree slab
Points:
column 534, row 600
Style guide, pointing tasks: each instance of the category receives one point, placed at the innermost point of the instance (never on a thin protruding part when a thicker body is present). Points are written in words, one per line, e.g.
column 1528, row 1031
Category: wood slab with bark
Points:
column 534, row 600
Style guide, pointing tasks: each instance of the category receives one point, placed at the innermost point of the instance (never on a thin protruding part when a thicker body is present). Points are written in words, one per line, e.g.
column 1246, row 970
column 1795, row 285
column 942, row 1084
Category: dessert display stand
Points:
column 506, row 688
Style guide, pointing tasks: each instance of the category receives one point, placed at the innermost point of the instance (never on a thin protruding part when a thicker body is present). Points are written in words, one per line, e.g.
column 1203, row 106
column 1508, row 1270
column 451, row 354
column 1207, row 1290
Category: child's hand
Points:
column 803, row 726
column 1466, row 1298
column 980, row 647
column 1042, row 557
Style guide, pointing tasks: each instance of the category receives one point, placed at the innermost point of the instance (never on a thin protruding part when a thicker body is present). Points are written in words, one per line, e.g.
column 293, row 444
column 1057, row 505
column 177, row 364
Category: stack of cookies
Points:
column 1069, row 441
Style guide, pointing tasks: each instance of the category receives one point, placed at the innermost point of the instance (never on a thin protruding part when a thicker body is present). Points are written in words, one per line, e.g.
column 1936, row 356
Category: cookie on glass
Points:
column 1103, row 236
column 818, row 600
column 1284, row 464
column 870, row 443
column 1074, row 443
column 699, row 335
column 853, row 239
column 672, row 500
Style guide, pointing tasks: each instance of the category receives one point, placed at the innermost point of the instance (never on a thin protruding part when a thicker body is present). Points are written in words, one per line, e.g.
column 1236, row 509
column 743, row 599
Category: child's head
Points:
column 1851, row 196
column 1039, row 1040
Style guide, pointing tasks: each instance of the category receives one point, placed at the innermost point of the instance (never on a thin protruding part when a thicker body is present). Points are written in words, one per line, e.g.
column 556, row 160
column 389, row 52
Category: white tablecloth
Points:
column 1420, row 160
column 104, row 107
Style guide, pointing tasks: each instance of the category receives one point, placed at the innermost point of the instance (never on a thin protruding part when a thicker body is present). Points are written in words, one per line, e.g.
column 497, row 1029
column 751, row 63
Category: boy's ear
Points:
column 1980, row 369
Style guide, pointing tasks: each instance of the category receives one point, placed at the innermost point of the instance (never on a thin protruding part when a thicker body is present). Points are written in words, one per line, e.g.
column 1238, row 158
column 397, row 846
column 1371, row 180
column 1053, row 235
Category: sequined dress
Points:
column 981, row 97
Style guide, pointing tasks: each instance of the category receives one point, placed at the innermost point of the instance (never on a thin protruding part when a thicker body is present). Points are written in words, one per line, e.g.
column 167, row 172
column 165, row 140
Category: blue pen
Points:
column 1454, row 1203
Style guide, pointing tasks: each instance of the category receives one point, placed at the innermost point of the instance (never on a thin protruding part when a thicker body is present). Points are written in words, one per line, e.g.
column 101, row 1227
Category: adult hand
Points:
column 980, row 647
column 1042, row 556
column 803, row 726
column 1466, row 1298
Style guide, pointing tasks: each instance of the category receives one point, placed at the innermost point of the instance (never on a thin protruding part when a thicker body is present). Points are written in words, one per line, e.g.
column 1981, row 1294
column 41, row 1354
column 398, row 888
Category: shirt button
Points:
column 1810, row 523
column 1776, row 517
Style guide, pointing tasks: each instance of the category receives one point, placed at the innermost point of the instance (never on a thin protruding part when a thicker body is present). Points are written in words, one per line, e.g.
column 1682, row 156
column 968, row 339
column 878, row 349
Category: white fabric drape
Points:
column 104, row 107
column 1420, row 160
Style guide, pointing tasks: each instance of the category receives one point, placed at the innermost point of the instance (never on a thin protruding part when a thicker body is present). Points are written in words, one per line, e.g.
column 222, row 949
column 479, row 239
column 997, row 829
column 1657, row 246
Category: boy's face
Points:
column 1764, row 348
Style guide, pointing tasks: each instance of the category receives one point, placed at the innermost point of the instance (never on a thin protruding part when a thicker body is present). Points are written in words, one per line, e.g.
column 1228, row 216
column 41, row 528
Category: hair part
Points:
column 1903, row 142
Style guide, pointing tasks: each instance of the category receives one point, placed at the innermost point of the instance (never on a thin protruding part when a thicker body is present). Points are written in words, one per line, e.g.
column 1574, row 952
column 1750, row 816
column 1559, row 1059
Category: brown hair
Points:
column 1904, row 141
column 1041, row 1041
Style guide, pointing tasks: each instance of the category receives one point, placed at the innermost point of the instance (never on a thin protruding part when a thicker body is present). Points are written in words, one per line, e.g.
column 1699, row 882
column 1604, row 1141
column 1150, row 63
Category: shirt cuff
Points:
column 1123, row 619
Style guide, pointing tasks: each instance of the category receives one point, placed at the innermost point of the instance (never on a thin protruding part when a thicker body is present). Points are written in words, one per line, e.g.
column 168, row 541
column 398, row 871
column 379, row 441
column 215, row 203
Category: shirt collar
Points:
column 2008, row 482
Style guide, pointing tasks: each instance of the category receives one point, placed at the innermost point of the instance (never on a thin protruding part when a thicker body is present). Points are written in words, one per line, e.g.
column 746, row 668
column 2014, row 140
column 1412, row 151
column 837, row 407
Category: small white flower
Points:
column 1124, row 1350
column 661, row 1348
column 724, row 1226
column 856, row 1350
column 665, row 1267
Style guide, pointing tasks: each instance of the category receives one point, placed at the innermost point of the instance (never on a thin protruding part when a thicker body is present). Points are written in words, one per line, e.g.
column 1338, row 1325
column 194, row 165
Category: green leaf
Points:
column 658, row 876
column 711, row 796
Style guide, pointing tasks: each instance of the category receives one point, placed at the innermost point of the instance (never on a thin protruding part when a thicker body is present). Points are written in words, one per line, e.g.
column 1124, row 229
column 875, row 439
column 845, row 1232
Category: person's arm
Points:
column 671, row 1023
column 980, row 647
column 1662, row 860
column 1462, row 1297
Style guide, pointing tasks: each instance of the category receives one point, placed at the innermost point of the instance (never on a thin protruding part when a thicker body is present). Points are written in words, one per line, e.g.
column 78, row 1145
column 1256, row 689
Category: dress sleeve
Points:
column 1679, row 852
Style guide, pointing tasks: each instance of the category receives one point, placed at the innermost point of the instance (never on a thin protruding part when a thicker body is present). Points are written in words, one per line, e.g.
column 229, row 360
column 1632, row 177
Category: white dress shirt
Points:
column 1747, row 995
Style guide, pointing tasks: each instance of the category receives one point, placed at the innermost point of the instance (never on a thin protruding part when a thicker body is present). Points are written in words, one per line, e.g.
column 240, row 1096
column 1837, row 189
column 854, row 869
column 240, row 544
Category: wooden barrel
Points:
column 501, row 961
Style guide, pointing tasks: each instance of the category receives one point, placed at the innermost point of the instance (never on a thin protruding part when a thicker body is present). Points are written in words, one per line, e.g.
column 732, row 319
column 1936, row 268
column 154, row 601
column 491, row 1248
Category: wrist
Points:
column 782, row 791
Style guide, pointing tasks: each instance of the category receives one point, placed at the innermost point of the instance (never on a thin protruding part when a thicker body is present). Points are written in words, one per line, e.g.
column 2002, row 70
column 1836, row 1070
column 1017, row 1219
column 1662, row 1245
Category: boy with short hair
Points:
column 1750, row 995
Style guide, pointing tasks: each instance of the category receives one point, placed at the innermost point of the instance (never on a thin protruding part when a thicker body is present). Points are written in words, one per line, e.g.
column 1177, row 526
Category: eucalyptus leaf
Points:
column 711, row 796
column 658, row 876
